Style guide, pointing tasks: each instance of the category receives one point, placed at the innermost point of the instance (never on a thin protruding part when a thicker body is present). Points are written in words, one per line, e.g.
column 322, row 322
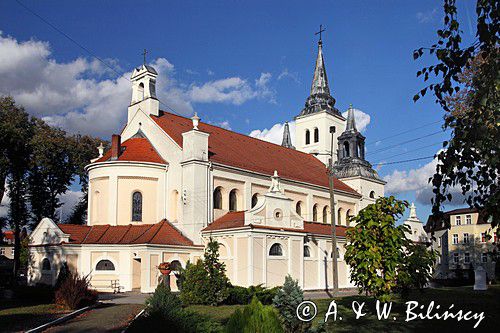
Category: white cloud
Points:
column 274, row 134
column 83, row 96
column 400, row 181
column 286, row 74
column 362, row 119
column 427, row 16
column 68, row 199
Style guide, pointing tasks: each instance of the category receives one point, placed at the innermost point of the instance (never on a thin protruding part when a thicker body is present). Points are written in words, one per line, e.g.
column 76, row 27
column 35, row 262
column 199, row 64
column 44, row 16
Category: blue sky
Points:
column 242, row 65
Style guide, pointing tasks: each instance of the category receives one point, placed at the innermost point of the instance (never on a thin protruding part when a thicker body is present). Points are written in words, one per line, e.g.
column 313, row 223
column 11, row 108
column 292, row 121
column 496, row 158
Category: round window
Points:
column 278, row 214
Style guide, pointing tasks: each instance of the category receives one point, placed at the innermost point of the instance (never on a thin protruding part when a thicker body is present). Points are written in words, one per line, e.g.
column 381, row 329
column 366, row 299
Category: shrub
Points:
column 255, row 318
column 286, row 301
column 164, row 312
column 264, row 295
column 74, row 292
column 238, row 295
column 206, row 282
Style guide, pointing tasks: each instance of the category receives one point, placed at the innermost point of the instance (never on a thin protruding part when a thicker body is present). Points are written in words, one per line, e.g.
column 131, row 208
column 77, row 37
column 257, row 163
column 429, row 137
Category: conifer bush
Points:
column 287, row 299
column 255, row 318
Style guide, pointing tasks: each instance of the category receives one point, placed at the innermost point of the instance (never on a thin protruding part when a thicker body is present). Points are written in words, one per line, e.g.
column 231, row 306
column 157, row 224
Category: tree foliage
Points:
column 255, row 318
column 467, row 87
column 374, row 248
column 416, row 268
column 287, row 300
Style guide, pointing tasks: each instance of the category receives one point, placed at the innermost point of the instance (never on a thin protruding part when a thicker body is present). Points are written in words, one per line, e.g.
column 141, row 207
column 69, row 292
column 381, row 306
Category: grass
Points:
column 21, row 318
column 463, row 298
column 219, row 313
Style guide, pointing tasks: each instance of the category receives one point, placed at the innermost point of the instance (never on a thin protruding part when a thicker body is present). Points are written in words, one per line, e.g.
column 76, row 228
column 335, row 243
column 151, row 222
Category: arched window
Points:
column 276, row 250
column 140, row 91
column 348, row 217
column 346, row 149
column 360, row 150
column 137, row 206
column 339, row 217
column 315, row 213
column 308, row 137
column 45, row 264
column 316, row 135
column 298, row 208
column 255, row 199
column 104, row 265
column 218, row 198
column 233, row 200
column 175, row 266
column 372, row 194
column 338, row 254
column 307, row 251
column 325, row 214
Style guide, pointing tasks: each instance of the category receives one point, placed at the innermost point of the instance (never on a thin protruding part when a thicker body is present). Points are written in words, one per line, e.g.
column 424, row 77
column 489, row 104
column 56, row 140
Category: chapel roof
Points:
column 252, row 154
column 161, row 233
column 135, row 149
column 234, row 220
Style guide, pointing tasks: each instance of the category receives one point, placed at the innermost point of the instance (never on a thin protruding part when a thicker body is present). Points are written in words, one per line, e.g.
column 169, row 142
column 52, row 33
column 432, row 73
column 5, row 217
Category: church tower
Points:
column 312, row 134
column 287, row 139
column 351, row 166
column 144, row 91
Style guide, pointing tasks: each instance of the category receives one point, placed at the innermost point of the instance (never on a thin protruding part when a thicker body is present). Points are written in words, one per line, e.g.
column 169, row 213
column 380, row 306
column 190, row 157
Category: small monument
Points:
column 480, row 278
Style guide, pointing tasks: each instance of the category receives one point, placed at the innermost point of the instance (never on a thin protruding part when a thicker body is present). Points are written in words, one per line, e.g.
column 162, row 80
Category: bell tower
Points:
column 144, row 91
column 312, row 133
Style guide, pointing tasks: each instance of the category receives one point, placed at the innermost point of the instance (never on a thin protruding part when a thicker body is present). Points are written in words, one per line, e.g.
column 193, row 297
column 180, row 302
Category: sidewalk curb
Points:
column 63, row 318
column 135, row 318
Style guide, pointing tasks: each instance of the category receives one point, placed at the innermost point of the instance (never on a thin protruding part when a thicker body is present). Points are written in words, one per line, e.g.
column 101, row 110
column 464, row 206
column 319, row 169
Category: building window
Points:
column 468, row 219
column 455, row 239
column 316, row 135
column 45, row 264
column 298, row 208
column 105, row 265
column 325, row 214
column 339, row 216
column 346, row 149
column 308, row 137
column 12, row 251
column 348, row 217
column 484, row 258
column 483, row 237
column 372, row 194
column 307, row 251
column 458, row 220
column 466, row 257
column 455, row 258
column 175, row 266
column 218, row 198
column 440, row 241
column 315, row 213
column 255, row 199
column 466, row 238
column 2, row 251
column 137, row 206
column 276, row 250
column 233, row 200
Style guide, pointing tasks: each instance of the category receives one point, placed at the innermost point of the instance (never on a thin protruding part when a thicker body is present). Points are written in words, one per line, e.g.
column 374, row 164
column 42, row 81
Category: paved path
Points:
column 107, row 317
column 132, row 297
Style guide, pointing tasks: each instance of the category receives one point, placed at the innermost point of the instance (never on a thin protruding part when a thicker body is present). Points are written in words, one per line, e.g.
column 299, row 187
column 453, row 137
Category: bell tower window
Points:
column 316, row 135
column 308, row 137
column 140, row 91
column 346, row 149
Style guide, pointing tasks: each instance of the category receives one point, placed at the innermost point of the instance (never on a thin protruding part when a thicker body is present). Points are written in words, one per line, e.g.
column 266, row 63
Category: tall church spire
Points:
column 320, row 99
column 287, row 139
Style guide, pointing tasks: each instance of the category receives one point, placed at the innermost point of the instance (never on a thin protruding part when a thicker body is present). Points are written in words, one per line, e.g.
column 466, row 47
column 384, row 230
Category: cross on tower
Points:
column 146, row 52
column 319, row 32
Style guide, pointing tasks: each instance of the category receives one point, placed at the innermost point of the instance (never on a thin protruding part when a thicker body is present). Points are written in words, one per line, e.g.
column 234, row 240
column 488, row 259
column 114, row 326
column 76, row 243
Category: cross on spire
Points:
column 144, row 55
column 319, row 32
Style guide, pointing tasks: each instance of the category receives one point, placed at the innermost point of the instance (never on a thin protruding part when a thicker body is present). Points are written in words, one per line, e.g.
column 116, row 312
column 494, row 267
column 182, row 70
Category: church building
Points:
column 169, row 183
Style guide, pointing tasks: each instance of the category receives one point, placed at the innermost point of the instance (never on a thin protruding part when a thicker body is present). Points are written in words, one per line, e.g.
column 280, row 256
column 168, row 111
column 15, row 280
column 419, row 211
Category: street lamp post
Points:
column 332, row 216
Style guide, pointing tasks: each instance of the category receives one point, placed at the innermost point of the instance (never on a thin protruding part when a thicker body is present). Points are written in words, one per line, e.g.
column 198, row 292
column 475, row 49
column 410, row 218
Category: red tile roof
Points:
column 8, row 234
column 233, row 220
column 248, row 153
column 162, row 233
column 136, row 150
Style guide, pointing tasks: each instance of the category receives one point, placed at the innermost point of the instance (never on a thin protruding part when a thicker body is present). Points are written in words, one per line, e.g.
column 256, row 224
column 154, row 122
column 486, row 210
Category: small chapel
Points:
column 170, row 183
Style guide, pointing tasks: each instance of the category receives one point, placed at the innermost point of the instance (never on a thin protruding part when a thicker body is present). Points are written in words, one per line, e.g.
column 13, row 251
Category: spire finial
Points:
column 321, row 30
column 196, row 120
column 351, row 122
column 287, row 139
column 144, row 55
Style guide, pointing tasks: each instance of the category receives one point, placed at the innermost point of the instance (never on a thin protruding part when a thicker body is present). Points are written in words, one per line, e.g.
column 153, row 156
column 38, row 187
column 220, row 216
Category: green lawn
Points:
column 21, row 318
column 462, row 297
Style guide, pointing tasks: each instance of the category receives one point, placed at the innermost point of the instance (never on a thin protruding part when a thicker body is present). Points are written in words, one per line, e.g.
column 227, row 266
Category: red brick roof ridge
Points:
column 125, row 233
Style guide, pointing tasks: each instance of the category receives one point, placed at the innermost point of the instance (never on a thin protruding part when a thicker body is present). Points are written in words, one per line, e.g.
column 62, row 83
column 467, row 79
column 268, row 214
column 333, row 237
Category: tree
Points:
column 287, row 300
column 468, row 90
column 255, row 318
column 16, row 128
column 51, row 170
column 84, row 148
column 415, row 270
column 374, row 248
